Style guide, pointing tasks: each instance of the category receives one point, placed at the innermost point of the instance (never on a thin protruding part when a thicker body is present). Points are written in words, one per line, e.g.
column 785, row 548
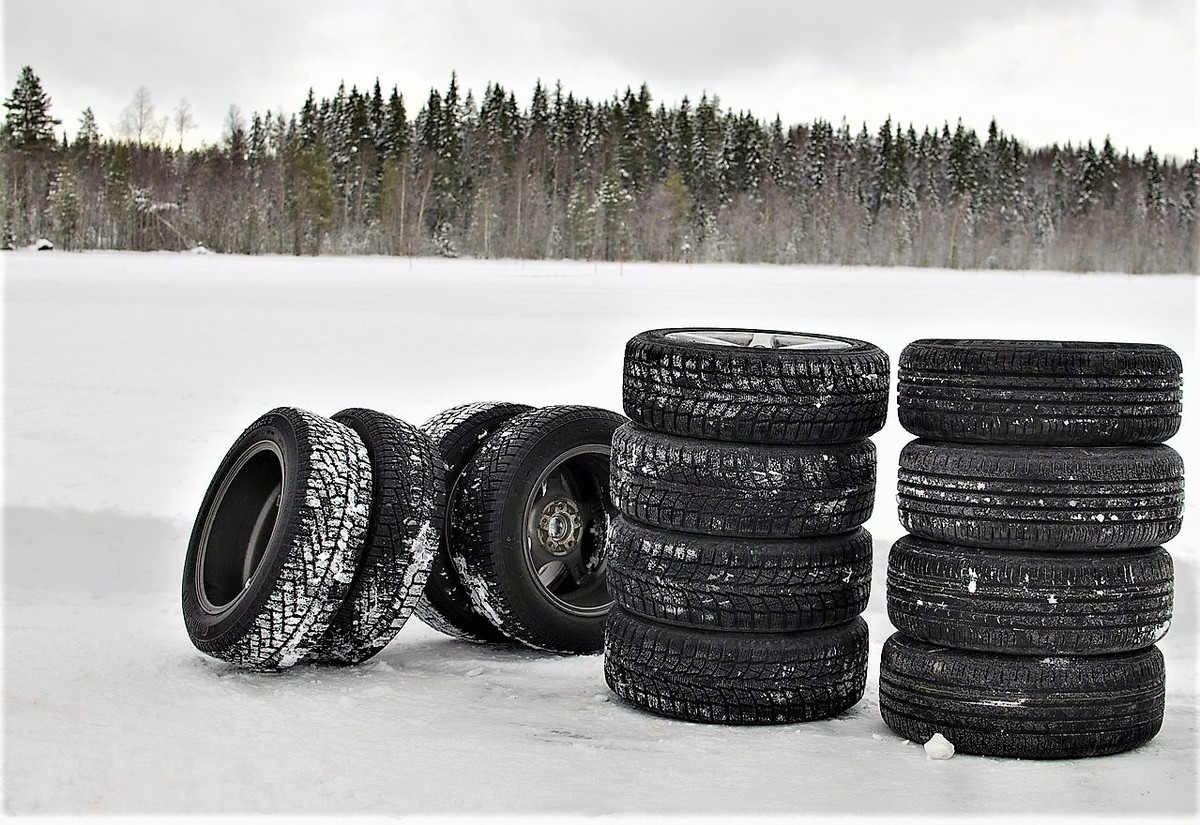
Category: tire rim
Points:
column 756, row 339
column 239, row 526
column 565, row 524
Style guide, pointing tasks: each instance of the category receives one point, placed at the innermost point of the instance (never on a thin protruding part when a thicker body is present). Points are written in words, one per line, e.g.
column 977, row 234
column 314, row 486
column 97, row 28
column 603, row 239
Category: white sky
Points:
column 1067, row 70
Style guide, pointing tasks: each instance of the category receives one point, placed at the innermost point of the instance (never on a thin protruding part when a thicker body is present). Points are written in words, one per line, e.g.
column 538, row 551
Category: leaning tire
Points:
column 755, row 386
column 1029, row 603
column 275, row 544
column 530, row 526
column 1041, row 498
column 401, row 541
column 457, row 433
column 744, row 585
column 748, row 490
column 1039, row 392
column 1032, row 707
column 735, row 678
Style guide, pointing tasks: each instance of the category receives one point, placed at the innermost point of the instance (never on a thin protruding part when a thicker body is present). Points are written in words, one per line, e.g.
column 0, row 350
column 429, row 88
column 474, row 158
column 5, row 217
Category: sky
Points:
column 1048, row 72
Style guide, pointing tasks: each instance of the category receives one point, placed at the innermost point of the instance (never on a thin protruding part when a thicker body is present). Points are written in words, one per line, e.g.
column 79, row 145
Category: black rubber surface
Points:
column 307, row 559
column 755, row 395
column 1041, row 498
column 1040, row 392
column 402, row 538
column 457, row 433
column 735, row 678
column 744, row 585
column 750, row 490
column 1026, row 602
column 1033, row 707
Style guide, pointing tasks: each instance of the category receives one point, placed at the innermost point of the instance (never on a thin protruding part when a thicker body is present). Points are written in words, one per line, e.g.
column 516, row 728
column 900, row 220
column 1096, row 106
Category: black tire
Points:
column 530, row 526
column 748, row 490
column 743, row 585
column 1040, row 392
column 457, row 433
column 1041, row 498
column 275, row 543
column 735, row 678
column 1032, row 707
column 402, row 538
column 1028, row 603
column 675, row 382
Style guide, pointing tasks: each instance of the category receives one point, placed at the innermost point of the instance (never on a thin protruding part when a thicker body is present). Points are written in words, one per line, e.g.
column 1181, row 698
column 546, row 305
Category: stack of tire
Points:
column 1033, row 585
column 738, row 562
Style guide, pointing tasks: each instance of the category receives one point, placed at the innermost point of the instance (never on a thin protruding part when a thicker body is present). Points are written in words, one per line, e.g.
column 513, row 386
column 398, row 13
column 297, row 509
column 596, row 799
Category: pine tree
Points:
column 88, row 134
column 28, row 123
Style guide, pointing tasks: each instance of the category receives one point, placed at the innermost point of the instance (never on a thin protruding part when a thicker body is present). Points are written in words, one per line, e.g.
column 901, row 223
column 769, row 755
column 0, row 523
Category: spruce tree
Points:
column 28, row 123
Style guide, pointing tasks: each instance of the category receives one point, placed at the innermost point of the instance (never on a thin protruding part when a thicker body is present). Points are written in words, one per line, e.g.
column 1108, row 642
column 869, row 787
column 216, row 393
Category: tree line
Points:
column 566, row 177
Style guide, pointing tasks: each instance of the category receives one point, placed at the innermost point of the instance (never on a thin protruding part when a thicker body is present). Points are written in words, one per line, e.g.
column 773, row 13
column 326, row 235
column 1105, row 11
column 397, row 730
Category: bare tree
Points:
column 139, row 122
column 182, row 120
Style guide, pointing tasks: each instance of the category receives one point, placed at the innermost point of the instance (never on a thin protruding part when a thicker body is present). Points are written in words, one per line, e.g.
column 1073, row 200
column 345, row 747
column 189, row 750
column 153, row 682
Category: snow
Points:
column 938, row 747
column 128, row 376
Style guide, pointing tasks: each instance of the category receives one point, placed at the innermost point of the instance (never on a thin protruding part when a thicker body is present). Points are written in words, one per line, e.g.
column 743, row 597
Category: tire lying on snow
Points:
column 1039, row 392
column 530, row 523
column 755, row 386
column 735, row 678
column 751, row 490
column 402, row 538
column 457, row 433
column 275, row 543
column 745, row 585
column 1033, row 707
column 1041, row 498
column 1025, row 602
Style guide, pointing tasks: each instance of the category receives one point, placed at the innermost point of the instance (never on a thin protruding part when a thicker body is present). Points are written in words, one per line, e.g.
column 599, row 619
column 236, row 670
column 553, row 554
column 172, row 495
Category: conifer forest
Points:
column 557, row 176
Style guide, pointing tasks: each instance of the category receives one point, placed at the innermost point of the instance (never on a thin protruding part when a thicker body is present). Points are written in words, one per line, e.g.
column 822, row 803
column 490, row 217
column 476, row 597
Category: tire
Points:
column 1030, row 707
column 457, row 433
column 1029, row 603
column 742, row 585
column 742, row 490
column 735, row 678
column 1040, row 392
column 1041, row 498
column 747, row 386
column 530, row 526
column 275, row 543
column 401, row 540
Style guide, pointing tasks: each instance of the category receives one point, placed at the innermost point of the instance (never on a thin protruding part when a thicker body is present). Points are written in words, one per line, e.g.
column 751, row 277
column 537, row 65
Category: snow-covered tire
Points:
column 530, row 526
column 457, row 433
column 1041, row 498
column 274, row 547
column 402, row 538
column 1028, row 603
column 755, row 386
column 743, row 585
column 735, row 678
column 750, row 490
column 1039, row 392
column 1031, row 707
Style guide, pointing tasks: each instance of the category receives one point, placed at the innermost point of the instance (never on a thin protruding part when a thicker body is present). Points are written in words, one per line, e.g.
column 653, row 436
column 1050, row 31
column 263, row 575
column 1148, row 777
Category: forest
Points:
column 628, row 178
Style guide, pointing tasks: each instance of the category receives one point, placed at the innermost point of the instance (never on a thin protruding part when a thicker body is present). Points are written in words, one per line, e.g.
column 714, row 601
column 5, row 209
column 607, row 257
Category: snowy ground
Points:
column 127, row 376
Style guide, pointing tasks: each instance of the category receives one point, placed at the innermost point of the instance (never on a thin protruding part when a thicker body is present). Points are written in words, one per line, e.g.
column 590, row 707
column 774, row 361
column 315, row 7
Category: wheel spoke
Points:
column 576, row 567
column 539, row 554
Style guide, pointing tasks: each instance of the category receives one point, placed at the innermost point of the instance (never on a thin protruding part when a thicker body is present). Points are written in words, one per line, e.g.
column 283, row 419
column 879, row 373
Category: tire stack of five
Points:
column 738, row 562
column 1032, row 587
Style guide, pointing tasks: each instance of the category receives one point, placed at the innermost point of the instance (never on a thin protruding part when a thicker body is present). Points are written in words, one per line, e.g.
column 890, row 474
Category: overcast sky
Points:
column 1048, row 71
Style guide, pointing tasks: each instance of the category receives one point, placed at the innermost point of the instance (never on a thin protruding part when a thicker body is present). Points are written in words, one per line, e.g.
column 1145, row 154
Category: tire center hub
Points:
column 560, row 526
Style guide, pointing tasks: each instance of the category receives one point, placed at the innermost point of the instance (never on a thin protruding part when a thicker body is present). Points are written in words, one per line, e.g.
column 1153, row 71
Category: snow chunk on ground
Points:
column 939, row 747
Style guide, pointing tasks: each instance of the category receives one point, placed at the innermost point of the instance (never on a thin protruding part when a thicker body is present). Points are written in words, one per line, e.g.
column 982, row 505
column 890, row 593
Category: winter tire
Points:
column 402, row 538
column 1041, row 498
column 1032, row 707
column 275, row 544
column 1029, row 603
column 1040, row 392
column 755, row 386
column 744, row 585
column 457, row 433
column 749, row 490
column 530, row 526
column 735, row 678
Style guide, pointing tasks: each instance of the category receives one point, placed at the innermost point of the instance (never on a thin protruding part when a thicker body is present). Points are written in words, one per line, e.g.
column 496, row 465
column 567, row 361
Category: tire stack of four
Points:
column 738, row 563
column 1032, row 587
